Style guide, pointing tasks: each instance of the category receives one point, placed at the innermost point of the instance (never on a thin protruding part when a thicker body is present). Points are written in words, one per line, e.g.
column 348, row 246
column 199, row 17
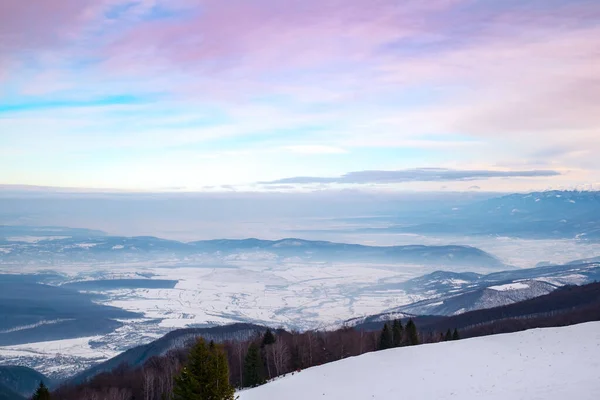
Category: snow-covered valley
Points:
column 294, row 284
column 294, row 296
column 551, row 363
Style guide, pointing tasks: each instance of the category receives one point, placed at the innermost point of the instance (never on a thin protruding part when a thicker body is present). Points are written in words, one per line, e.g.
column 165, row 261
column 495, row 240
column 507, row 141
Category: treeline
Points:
column 545, row 320
column 249, row 363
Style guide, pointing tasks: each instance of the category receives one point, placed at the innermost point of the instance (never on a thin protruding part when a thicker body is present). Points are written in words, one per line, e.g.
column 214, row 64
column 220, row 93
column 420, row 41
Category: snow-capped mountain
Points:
column 487, row 297
column 551, row 214
column 454, row 293
column 563, row 202
column 551, row 363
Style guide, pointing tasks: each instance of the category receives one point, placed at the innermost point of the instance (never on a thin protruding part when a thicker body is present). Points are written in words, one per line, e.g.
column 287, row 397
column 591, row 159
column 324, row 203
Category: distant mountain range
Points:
column 329, row 251
column 551, row 214
column 130, row 249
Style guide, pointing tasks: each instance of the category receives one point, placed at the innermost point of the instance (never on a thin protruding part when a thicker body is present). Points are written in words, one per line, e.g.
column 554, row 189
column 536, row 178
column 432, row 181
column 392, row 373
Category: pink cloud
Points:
column 268, row 34
column 28, row 25
column 496, row 70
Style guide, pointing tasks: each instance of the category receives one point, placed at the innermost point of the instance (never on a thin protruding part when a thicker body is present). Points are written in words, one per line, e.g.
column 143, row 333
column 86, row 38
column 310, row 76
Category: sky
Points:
column 273, row 95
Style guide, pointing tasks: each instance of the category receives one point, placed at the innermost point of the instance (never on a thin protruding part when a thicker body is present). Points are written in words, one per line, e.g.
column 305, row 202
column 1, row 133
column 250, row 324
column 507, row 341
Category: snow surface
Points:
column 59, row 358
column 510, row 286
column 72, row 347
column 572, row 279
column 84, row 245
column 552, row 363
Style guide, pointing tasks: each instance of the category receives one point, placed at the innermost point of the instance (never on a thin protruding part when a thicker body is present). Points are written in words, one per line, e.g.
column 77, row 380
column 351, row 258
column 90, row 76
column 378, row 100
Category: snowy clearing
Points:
column 510, row 286
column 58, row 358
column 553, row 363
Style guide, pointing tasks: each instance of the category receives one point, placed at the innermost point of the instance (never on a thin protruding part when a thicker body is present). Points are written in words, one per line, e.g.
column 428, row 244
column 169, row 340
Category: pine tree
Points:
column 221, row 387
column 455, row 335
column 386, row 341
column 186, row 386
column 206, row 375
column 268, row 338
column 253, row 367
column 448, row 336
column 412, row 337
column 397, row 333
column 42, row 393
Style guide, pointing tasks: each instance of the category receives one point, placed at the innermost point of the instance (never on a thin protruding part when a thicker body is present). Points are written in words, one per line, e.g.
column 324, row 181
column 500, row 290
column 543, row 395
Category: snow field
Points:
column 544, row 364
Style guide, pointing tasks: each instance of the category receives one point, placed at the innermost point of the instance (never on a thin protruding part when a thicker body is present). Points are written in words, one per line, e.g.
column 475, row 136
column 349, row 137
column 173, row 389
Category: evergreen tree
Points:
column 206, row 375
column 397, row 333
column 448, row 336
column 455, row 335
column 186, row 386
column 219, row 385
column 412, row 337
column 268, row 338
column 253, row 367
column 386, row 341
column 42, row 393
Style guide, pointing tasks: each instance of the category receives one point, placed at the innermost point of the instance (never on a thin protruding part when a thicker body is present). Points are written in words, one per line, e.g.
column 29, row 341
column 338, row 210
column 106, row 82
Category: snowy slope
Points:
column 553, row 363
column 450, row 293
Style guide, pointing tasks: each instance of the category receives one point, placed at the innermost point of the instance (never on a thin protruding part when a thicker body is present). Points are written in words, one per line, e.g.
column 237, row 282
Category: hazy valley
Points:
column 93, row 295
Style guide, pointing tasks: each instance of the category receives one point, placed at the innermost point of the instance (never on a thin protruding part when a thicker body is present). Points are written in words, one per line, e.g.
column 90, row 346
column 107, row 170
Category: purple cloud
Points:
column 414, row 175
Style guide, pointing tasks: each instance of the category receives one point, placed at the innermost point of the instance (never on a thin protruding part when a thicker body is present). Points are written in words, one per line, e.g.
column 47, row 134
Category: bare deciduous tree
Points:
column 281, row 356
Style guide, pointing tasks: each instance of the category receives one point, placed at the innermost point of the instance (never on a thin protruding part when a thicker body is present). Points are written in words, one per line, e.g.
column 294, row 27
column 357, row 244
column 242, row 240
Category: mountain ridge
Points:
column 476, row 291
column 535, row 215
column 138, row 248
